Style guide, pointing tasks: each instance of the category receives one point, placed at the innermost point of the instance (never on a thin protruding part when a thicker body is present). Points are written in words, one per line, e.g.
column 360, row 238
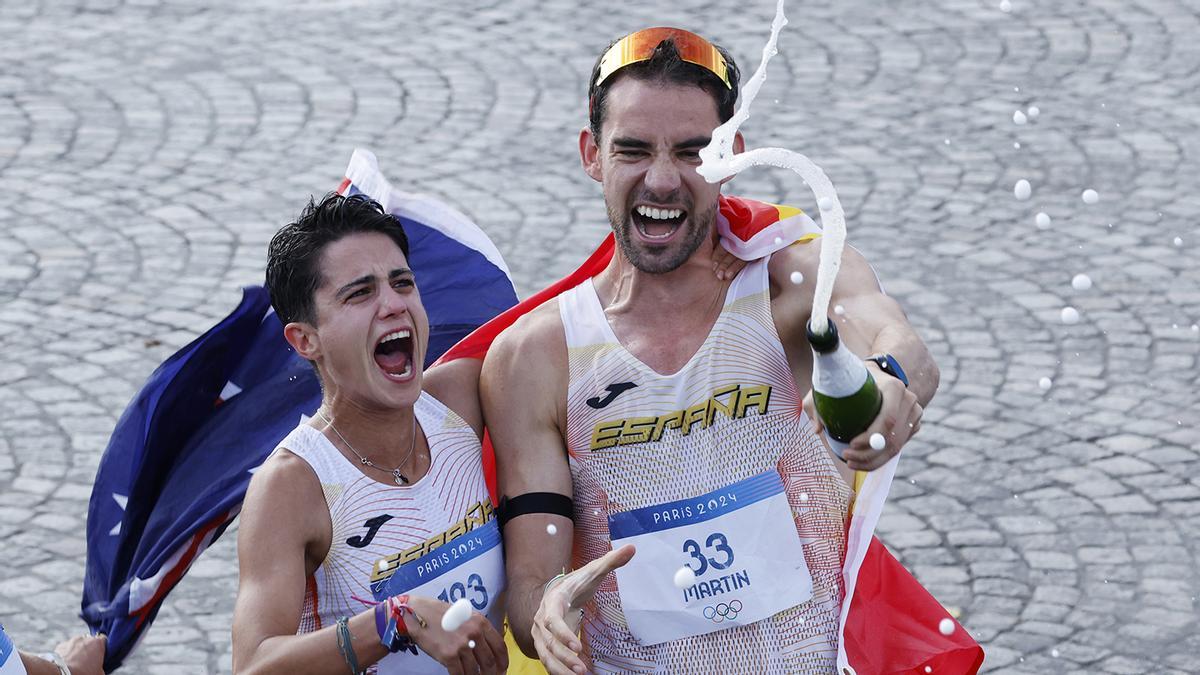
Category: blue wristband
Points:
column 888, row 364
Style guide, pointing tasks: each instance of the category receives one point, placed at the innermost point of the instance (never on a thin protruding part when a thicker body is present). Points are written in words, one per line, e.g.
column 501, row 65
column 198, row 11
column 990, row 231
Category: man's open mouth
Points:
column 394, row 353
column 655, row 224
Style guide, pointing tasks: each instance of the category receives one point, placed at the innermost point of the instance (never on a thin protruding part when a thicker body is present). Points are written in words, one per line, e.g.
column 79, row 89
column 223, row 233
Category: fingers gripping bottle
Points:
column 844, row 393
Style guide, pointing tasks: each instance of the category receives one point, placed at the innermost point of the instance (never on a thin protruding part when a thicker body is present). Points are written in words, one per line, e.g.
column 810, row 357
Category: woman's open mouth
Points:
column 394, row 354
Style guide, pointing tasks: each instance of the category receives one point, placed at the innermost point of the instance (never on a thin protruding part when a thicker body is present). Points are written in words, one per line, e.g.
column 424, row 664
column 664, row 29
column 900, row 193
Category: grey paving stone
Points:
column 163, row 159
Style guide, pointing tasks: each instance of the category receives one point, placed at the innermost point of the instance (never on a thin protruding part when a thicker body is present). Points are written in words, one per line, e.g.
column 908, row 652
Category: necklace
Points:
column 400, row 478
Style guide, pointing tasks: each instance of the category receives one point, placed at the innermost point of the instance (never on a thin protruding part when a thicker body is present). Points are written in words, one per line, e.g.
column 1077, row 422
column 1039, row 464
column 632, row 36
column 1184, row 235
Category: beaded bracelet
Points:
column 344, row 645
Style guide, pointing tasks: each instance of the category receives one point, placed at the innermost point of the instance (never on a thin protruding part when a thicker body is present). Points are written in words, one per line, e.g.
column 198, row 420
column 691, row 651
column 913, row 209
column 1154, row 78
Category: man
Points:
column 79, row 655
column 372, row 516
column 655, row 395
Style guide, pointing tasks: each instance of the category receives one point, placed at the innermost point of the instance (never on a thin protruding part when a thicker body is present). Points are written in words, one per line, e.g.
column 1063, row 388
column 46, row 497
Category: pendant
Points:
column 401, row 479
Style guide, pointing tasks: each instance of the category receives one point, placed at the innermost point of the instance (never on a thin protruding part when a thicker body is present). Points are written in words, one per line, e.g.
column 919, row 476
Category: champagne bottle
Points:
column 844, row 393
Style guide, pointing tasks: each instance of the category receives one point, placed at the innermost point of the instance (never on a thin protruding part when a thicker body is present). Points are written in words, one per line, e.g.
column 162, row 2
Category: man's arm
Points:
column 874, row 323
column 871, row 323
column 523, row 387
column 524, row 391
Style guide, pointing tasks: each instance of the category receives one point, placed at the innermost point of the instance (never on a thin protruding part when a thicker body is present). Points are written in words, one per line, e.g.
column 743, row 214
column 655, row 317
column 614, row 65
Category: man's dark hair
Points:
column 294, row 256
column 665, row 67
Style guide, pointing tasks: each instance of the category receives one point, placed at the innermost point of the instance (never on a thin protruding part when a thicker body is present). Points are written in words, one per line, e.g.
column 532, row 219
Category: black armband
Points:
column 535, row 502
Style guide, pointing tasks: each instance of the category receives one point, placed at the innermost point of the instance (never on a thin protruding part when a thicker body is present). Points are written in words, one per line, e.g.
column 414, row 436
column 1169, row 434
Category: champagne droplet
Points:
column 878, row 442
column 797, row 278
column 551, row 529
column 685, row 577
column 457, row 615
column 1070, row 315
column 1081, row 282
column 1090, row 196
column 946, row 626
column 1022, row 189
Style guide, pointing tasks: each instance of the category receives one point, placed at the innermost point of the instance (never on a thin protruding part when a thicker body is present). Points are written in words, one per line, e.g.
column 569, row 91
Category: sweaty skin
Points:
column 84, row 655
column 647, row 155
column 367, row 292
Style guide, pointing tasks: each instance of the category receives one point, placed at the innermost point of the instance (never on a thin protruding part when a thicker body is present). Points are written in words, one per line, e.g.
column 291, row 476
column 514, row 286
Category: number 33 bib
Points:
column 742, row 545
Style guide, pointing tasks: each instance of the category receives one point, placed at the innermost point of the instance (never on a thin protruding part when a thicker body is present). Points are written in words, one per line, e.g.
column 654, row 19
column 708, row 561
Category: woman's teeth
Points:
column 398, row 335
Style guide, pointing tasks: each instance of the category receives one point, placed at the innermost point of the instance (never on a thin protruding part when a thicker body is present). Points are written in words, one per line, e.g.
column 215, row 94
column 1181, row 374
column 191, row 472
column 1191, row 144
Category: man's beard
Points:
column 661, row 259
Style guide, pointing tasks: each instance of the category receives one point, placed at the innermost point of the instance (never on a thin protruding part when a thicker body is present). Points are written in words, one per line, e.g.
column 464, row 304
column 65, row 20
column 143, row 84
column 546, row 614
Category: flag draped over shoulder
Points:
column 177, row 466
column 890, row 625
column 180, row 458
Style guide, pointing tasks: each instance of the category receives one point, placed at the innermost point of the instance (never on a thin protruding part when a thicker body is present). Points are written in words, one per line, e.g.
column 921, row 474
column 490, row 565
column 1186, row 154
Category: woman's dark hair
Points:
column 294, row 256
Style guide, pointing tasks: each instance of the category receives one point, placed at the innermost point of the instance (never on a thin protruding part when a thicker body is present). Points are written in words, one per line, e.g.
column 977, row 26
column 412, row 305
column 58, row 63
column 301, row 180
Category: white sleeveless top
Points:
column 619, row 466
column 379, row 527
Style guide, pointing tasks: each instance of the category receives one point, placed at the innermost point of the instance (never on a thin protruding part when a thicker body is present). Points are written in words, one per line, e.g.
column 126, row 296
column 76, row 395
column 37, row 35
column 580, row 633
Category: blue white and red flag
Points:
column 180, row 458
column 177, row 466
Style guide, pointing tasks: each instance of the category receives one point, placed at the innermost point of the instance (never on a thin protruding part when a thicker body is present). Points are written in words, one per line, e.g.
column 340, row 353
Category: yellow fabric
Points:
column 518, row 663
column 786, row 211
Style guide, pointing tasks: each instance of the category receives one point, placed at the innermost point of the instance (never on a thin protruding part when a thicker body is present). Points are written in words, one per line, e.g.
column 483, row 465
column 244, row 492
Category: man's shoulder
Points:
column 539, row 329
column 801, row 256
column 528, row 360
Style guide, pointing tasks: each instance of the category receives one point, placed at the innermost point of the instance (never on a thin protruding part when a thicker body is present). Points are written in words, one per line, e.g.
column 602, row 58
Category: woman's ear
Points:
column 303, row 338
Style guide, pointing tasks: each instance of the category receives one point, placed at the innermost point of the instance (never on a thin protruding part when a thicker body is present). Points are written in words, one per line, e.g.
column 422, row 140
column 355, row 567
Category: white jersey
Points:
column 380, row 529
column 640, row 439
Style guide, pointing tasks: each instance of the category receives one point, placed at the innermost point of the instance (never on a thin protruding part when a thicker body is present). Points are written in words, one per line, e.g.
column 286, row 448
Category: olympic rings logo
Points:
column 723, row 611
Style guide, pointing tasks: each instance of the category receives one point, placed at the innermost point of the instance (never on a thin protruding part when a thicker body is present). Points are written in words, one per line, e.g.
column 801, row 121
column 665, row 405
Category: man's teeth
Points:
column 398, row 335
column 658, row 214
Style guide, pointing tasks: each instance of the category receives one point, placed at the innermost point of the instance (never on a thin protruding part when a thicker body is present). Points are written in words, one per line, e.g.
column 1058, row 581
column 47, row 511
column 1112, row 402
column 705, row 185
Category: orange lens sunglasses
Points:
column 640, row 46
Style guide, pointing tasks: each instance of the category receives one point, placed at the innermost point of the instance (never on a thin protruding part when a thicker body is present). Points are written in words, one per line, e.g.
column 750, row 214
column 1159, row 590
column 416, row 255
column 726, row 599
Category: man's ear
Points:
column 739, row 146
column 589, row 154
column 303, row 338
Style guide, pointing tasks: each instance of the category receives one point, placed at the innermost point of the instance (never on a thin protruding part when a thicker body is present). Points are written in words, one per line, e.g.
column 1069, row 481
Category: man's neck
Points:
column 662, row 319
column 627, row 291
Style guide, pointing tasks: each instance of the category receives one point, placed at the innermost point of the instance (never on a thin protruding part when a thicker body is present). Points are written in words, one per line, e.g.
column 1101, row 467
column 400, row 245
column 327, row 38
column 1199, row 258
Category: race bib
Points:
column 471, row 567
column 742, row 545
column 10, row 659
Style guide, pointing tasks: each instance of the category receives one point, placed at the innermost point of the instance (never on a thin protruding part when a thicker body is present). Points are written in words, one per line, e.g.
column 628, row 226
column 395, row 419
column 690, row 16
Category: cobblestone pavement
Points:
column 148, row 149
